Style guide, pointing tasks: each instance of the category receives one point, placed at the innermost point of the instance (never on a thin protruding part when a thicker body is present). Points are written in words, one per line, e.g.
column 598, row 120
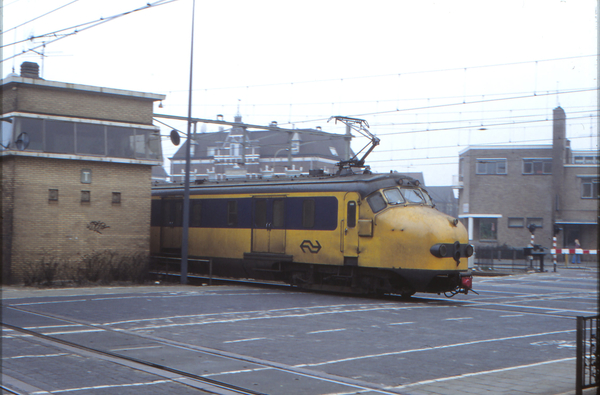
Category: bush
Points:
column 101, row 268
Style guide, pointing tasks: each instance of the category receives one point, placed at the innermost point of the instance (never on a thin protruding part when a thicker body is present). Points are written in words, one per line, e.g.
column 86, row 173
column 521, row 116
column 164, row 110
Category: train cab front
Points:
column 426, row 248
column 456, row 251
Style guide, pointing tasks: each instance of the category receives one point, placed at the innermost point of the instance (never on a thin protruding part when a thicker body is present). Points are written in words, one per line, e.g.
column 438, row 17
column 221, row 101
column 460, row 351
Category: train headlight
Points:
column 439, row 250
column 455, row 250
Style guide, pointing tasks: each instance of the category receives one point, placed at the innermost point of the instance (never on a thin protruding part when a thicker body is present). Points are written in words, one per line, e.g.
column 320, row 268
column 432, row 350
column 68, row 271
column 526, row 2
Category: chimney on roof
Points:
column 30, row 70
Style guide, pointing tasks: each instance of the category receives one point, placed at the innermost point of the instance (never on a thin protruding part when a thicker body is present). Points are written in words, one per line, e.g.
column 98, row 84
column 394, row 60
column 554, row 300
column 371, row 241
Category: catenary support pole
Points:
column 188, row 145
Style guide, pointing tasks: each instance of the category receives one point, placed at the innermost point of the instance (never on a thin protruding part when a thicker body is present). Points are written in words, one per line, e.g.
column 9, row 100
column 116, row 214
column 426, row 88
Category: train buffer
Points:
column 536, row 252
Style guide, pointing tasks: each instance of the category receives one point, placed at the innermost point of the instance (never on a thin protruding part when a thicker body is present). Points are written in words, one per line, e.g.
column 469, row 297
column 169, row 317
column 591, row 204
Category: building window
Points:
column 516, row 222
column 333, row 151
column 538, row 222
column 116, row 197
column 586, row 160
column 537, row 166
column 90, row 139
column 60, row 137
column 589, row 188
column 86, row 176
column 488, row 229
column 53, row 195
column 491, row 166
column 85, row 196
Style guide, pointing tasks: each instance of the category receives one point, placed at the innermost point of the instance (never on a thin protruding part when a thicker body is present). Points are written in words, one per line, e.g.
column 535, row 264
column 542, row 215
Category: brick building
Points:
column 241, row 153
column 82, row 183
column 504, row 189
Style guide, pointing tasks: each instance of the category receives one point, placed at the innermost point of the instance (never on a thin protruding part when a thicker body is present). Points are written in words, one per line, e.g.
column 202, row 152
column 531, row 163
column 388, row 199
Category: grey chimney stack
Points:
column 30, row 70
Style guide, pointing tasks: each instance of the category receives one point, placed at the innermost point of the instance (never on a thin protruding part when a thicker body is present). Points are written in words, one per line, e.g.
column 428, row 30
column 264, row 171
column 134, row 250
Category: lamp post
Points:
column 188, row 144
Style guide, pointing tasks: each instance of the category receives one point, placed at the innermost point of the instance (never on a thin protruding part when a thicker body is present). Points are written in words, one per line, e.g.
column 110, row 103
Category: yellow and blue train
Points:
column 365, row 233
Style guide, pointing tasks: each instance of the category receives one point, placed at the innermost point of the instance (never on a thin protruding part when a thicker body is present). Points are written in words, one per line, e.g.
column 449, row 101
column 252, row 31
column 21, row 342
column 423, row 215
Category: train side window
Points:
column 196, row 209
column 232, row 213
column 308, row 213
column 166, row 214
column 278, row 213
column 178, row 220
column 260, row 213
column 351, row 214
column 376, row 202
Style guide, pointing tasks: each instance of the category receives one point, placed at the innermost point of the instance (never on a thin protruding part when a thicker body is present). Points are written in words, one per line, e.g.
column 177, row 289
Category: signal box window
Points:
column 232, row 213
column 85, row 196
column 60, row 137
column 116, row 197
column 308, row 213
column 491, row 166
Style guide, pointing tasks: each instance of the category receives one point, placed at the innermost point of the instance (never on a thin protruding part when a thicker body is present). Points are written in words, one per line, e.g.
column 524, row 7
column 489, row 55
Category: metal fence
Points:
column 501, row 258
column 587, row 354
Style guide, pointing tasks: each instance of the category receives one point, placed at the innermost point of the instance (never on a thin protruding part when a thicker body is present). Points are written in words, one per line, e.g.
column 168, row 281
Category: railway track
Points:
column 198, row 381
column 203, row 383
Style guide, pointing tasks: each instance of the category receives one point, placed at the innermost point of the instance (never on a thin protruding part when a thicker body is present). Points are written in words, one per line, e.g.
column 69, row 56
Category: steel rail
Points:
column 215, row 383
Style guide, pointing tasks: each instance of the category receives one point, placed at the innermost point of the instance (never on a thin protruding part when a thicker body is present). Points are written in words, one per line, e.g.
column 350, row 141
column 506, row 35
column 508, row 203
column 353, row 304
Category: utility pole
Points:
column 188, row 145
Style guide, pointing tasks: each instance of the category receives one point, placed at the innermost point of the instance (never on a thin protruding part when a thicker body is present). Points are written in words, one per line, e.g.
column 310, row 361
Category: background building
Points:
column 240, row 153
column 504, row 189
column 76, row 171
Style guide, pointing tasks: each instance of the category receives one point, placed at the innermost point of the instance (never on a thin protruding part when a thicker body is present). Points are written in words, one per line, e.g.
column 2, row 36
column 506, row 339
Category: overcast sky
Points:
column 430, row 77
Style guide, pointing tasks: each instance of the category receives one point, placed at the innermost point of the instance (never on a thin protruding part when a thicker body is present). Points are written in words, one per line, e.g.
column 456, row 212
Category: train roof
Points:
column 364, row 184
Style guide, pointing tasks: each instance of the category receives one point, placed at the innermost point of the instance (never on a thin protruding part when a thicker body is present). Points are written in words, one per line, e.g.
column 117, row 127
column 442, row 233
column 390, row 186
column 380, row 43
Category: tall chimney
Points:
column 30, row 70
column 560, row 146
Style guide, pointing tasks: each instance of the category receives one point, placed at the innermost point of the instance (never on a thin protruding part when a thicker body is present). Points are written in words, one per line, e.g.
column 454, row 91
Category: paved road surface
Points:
column 516, row 337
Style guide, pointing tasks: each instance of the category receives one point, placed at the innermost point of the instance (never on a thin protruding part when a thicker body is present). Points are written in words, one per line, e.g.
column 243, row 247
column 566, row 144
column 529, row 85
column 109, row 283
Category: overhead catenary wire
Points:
column 401, row 73
column 83, row 26
column 38, row 17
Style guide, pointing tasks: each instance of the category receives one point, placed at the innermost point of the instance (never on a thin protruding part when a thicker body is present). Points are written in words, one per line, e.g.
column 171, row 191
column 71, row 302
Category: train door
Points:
column 268, row 226
column 171, row 225
column 349, row 229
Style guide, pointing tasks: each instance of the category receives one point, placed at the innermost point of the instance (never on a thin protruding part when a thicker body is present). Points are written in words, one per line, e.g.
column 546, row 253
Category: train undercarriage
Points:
column 334, row 278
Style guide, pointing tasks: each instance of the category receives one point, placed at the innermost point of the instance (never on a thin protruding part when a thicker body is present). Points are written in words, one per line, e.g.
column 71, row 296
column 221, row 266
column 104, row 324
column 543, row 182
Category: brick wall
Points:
column 511, row 195
column 75, row 103
column 34, row 227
